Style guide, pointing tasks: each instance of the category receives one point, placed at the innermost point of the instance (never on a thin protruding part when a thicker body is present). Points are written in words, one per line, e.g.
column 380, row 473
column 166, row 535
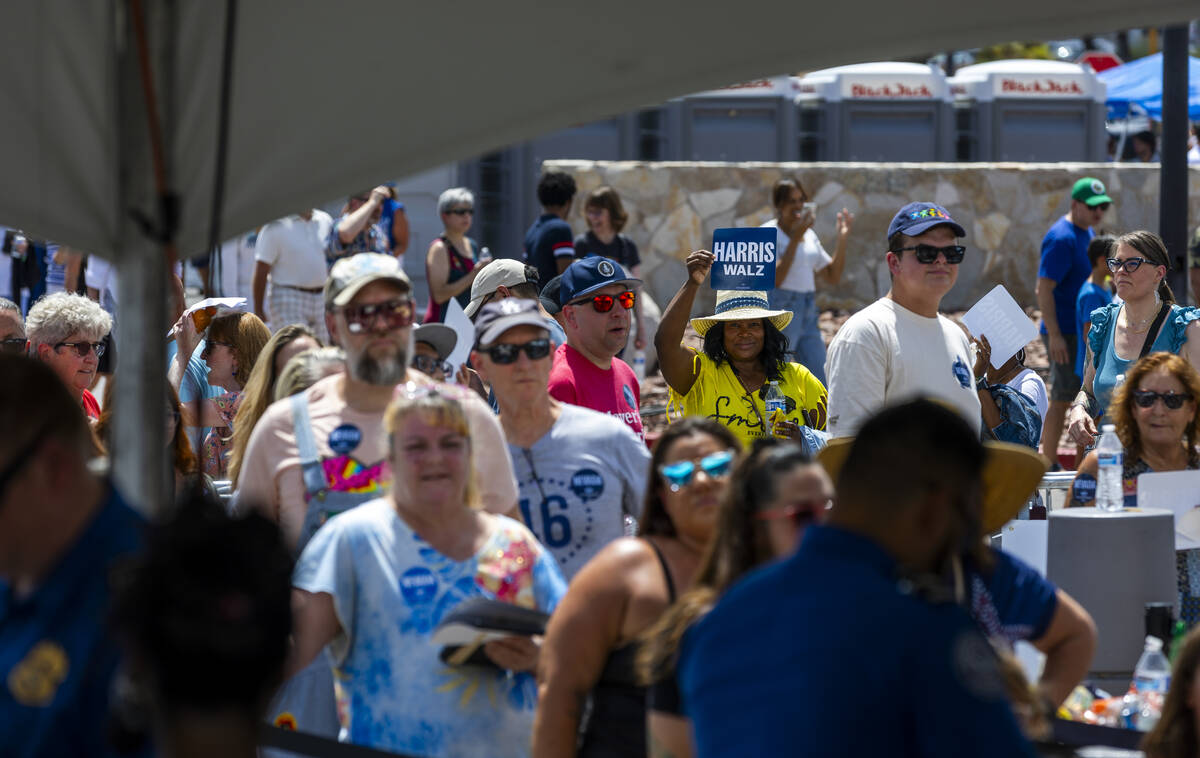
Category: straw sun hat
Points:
column 1010, row 475
column 741, row 305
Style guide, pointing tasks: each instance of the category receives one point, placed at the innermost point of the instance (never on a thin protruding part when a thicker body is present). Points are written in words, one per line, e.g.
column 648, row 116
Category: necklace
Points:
column 1143, row 325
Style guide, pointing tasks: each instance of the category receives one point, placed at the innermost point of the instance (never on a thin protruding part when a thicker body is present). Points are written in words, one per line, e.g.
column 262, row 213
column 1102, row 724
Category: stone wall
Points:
column 1005, row 208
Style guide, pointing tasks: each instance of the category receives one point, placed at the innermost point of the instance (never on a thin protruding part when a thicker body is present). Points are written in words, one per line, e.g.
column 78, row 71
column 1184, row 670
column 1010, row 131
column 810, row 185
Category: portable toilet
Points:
column 874, row 112
column 1029, row 110
column 753, row 121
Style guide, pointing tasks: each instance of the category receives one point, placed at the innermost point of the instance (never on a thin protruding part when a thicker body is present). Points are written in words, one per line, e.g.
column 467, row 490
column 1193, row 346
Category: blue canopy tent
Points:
column 1140, row 83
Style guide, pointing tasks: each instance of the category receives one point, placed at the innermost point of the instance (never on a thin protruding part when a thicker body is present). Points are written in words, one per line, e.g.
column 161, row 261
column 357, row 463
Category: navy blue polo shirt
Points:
column 823, row 654
column 57, row 658
column 546, row 241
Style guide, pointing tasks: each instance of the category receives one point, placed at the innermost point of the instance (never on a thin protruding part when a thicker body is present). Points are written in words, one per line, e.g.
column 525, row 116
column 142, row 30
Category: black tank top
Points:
column 617, row 725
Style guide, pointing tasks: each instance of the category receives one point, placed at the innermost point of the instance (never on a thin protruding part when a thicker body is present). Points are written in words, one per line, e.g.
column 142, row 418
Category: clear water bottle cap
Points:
column 1108, row 428
column 1153, row 644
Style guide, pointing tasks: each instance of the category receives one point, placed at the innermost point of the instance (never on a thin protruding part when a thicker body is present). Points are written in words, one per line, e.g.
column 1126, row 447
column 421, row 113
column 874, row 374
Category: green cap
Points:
column 1090, row 191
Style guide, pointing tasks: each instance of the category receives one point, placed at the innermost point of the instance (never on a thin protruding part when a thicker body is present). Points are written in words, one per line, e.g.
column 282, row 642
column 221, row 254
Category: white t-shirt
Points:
column 1029, row 384
column 237, row 266
column 810, row 258
column 885, row 354
column 295, row 249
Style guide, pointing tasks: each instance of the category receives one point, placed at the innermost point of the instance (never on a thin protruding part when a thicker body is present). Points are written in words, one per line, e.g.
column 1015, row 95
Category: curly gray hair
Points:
column 56, row 317
column 455, row 196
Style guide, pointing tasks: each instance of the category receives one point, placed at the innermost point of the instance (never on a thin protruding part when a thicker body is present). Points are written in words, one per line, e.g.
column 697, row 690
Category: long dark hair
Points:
column 740, row 544
column 655, row 519
column 772, row 358
column 1153, row 249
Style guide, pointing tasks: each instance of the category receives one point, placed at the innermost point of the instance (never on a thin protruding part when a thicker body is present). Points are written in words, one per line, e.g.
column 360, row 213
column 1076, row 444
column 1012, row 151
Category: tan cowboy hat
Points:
column 1010, row 475
column 740, row 305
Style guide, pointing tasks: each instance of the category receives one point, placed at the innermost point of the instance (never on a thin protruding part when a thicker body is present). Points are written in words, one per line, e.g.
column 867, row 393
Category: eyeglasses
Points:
column 506, row 353
column 679, row 475
column 1146, row 398
column 1101, row 207
column 13, row 346
column 1129, row 264
column 929, row 253
column 461, row 211
column 604, row 303
column 804, row 512
column 395, row 313
column 208, row 347
column 83, row 348
column 428, row 364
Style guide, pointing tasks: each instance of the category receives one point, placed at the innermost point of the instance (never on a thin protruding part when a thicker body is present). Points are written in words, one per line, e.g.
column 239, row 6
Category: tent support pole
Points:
column 1173, row 180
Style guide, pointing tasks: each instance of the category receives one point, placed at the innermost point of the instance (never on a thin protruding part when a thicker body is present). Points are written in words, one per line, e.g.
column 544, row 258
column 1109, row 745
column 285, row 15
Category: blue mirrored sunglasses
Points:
column 679, row 475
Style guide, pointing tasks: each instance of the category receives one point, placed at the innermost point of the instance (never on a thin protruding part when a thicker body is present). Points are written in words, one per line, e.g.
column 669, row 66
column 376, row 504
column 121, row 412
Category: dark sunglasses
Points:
column 13, row 346
column 506, row 353
column 1101, row 206
column 427, row 364
column 395, row 313
column 679, row 475
column 604, row 303
column 208, row 347
column 1146, row 398
column 461, row 211
column 929, row 253
column 802, row 513
column 83, row 348
column 1129, row 264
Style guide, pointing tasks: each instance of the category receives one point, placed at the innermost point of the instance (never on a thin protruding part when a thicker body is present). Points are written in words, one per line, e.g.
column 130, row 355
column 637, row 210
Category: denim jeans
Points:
column 803, row 333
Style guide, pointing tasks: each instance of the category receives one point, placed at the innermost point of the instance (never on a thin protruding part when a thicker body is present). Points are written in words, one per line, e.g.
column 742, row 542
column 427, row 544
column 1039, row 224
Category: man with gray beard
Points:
column 324, row 451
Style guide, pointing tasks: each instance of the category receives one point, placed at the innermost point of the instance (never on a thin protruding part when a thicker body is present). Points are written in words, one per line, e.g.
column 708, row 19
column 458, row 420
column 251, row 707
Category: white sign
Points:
column 892, row 88
column 1178, row 492
column 457, row 320
column 998, row 317
column 1039, row 85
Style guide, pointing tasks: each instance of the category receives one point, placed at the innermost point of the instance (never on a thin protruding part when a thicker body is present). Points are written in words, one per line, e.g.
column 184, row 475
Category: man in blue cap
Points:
column 597, row 298
column 900, row 346
column 1063, row 269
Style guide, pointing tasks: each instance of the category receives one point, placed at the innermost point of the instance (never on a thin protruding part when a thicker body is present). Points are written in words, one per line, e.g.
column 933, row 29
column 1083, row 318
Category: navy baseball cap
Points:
column 917, row 218
column 586, row 275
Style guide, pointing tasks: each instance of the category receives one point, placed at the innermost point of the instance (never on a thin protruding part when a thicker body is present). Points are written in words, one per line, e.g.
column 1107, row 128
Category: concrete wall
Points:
column 1005, row 208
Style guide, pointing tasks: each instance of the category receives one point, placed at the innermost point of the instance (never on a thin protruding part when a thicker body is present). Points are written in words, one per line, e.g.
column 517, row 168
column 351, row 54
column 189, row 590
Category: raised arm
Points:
column 352, row 224
column 832, row 274
column 674, row 359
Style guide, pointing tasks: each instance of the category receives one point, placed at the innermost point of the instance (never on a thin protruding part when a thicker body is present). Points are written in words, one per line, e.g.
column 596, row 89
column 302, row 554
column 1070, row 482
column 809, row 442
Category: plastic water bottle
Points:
column 1110, row 492
column 774, row 400
column 639, row 365
column 1151, row 680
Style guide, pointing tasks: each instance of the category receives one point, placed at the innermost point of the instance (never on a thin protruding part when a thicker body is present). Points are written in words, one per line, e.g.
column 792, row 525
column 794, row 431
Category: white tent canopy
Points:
column 331, row 97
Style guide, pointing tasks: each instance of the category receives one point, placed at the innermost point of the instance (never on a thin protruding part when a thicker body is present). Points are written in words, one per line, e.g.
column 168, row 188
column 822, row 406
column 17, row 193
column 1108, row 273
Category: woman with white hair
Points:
column 65, row 331
column 454, row 259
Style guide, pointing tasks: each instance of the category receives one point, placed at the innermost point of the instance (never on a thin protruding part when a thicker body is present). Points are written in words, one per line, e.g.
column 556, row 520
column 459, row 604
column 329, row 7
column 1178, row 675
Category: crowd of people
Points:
column 492, row 557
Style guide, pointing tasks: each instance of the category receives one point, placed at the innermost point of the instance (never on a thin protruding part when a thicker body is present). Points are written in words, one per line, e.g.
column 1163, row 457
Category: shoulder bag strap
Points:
column 1152, row 334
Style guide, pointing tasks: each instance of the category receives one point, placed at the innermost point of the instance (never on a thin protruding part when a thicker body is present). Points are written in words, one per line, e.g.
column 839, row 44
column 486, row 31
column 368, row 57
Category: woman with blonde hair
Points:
column 233, row 342
column 307, row 368
column 374, row 583
column 259, row 391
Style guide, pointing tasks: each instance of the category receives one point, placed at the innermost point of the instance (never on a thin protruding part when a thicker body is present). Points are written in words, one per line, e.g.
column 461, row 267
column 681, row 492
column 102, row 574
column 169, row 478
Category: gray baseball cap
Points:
column 351, row 274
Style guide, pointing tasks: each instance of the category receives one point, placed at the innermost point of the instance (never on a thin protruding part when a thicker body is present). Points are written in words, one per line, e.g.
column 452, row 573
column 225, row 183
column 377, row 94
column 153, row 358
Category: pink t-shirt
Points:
column 352, row 446
column 615, row 391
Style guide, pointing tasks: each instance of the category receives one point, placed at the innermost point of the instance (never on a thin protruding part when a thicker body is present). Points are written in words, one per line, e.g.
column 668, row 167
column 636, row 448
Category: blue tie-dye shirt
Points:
column 390, row 590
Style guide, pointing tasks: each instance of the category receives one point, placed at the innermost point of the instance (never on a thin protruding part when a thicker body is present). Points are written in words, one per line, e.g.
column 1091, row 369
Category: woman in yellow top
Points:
column 744, row 350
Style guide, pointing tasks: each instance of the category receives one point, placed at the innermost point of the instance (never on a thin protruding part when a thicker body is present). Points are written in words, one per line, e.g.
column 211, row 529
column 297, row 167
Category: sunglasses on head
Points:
column 1146, row 398
column 604, row 303
column 13, row 346
column 83, row 348
column 679, row 475
column 1129, row 264
column 427, row 364
column 395, row 313
column 461, row 211
column 929, row 253
column 506, row 353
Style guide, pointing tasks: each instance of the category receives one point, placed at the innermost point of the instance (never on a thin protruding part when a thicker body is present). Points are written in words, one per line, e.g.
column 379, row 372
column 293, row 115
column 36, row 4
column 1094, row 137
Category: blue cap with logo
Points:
column 917, row 218
column 586, row 275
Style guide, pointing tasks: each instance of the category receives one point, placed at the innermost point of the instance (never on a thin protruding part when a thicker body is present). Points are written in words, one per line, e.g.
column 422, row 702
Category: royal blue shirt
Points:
column 1064, row 259
column 1090, row 297
column 548, row 239
column 825, row 654
column 57, row 658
